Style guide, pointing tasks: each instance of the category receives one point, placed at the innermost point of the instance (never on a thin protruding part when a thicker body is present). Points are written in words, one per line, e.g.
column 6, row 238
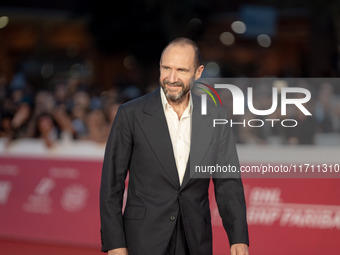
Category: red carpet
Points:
column 10, row 247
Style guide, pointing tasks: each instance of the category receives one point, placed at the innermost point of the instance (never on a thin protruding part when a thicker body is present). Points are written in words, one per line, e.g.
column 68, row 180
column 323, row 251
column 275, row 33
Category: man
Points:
column 167, row 212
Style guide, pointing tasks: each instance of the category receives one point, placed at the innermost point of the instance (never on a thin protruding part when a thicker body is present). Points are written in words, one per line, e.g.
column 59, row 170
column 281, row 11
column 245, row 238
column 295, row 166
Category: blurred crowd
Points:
column 74, row 111
column 69, row 110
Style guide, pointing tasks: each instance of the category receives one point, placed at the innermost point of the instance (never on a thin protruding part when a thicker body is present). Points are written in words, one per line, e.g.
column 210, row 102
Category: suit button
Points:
column 172, row 218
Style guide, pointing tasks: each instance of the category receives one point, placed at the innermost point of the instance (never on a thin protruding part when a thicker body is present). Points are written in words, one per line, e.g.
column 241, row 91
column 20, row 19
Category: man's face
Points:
column 178, row 72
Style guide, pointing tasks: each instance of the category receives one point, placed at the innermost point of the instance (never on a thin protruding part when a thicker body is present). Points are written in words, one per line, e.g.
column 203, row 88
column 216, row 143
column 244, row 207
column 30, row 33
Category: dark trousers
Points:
column 178, row 244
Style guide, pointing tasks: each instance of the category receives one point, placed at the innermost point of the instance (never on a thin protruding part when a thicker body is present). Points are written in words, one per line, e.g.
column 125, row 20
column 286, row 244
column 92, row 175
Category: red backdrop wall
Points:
column 55, row 200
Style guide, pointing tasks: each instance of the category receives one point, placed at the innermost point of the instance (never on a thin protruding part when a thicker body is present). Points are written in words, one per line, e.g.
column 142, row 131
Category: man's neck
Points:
column 180, row 105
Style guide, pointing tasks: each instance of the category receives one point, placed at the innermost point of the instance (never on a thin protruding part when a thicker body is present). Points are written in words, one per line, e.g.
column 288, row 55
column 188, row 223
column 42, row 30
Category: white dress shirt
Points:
column 180, row 133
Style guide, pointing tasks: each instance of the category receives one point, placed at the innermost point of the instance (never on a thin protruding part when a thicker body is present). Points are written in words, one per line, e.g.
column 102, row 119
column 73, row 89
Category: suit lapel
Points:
column 201, row 134
column 155, row 128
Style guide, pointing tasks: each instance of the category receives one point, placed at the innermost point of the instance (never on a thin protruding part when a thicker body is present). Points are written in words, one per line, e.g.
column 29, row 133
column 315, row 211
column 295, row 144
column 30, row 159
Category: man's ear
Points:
column 199, row 72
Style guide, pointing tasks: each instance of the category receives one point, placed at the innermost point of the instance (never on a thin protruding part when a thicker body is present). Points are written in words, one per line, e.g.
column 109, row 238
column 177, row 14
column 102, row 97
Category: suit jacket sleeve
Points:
column 229, row 192
column 115, row 167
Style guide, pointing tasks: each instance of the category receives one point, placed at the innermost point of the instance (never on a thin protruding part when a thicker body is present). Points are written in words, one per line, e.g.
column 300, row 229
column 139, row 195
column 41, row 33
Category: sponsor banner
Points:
column 50, row 200
column 287, row 216
column 57, row 201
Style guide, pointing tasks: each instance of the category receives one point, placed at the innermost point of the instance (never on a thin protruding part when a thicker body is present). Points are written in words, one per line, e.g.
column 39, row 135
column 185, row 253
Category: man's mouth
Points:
column 173, row 84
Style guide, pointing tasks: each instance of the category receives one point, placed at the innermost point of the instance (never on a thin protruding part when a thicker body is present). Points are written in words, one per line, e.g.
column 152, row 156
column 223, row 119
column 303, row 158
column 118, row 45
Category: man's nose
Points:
column 173, row 76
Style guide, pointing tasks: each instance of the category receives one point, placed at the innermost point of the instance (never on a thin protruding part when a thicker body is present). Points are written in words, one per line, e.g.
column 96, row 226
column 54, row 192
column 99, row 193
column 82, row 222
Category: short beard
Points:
column 178, row 98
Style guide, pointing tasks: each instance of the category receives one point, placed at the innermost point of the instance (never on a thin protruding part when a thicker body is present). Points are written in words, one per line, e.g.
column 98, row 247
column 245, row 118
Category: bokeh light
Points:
column 227, row 38
column 239, row 27
column 264, row 40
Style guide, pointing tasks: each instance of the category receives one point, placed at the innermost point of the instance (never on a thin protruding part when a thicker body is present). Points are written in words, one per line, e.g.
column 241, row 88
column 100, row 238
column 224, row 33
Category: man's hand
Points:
column 119, row 251
column 239, row 249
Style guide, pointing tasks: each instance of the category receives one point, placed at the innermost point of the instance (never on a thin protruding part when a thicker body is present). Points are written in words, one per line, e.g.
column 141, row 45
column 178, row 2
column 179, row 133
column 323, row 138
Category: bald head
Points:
column 183, row 41
column 179, row 69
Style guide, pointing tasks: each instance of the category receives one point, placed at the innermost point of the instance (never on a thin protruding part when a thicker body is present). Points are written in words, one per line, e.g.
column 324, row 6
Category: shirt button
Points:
column 172, row 218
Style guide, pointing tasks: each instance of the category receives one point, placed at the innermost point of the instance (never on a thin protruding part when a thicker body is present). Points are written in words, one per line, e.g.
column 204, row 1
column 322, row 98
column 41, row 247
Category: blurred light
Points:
column 3, row 21
column 47, row 70
column 279, row 84
column 76, row 70
column 130, row 62
column 264, row 40
column 227, row 38
column 212, row 69
column 194, row 24
column 195, row 21
column 238, row 27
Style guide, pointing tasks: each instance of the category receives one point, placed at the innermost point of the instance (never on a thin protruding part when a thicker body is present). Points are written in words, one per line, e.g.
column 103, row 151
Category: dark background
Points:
column 99, row 35
column 110, row 50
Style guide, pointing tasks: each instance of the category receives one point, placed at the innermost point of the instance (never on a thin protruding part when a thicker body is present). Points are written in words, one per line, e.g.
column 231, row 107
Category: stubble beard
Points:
column 180, row 96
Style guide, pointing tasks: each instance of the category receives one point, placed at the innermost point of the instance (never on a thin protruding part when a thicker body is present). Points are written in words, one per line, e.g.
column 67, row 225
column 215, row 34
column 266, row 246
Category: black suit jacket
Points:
column 140, row 143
